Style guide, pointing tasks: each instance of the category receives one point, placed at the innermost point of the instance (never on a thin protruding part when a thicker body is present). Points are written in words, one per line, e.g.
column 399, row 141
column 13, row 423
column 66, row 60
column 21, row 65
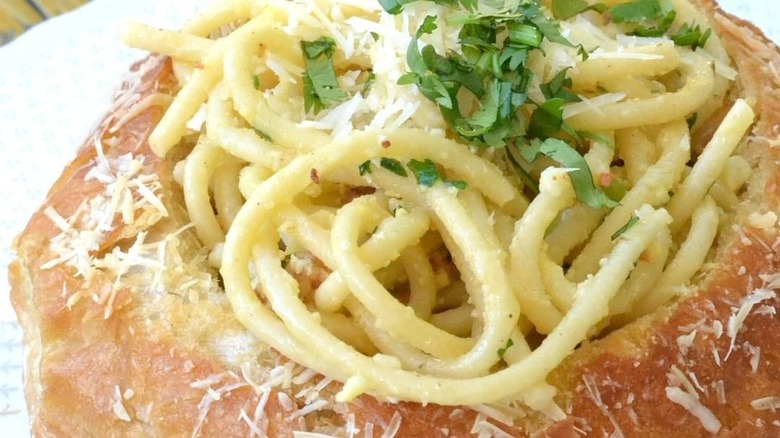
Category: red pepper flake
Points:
column 315, row 176
column 386, row 143
column 606, row 179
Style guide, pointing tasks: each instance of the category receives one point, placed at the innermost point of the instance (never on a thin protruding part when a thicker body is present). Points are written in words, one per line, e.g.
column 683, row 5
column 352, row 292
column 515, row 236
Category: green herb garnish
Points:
column 691, row 35
column 263, row 135
column 580, row 175
column 631, row 222
column 393, row 165
column 651, row 18
column 365, row 168
column 502, row 351
column 320, row 86
column 427, row 174
column 564, row 9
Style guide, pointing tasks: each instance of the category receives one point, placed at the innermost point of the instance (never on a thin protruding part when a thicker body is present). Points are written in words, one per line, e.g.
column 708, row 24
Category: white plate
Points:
column 56, row 80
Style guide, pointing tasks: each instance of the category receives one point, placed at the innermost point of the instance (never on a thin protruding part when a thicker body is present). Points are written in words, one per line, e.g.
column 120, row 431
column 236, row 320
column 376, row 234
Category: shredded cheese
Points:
column 393, row 427
column 766, row 403
column 118, row 407
column 738, row 315
column 692, row 404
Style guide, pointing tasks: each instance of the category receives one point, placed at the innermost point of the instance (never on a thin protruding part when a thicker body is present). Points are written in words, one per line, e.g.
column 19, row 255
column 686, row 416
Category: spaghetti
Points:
column 360, row 233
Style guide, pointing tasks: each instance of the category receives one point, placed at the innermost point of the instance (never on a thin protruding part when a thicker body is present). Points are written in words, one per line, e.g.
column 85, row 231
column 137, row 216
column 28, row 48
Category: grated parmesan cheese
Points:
column 485, row 429
column 368, row 430
column 350, row 428
column 393, row 427
column 303, row 434
column 765, row 221
column 766, row 404
column 738, row 315
column 308, row 409
column 254, row 430
column 720, row 391
column 677, row 377
column 595, row 396
column 692, row 404
column 755, row 356
column 118, row 407
column 591, row 104
column 684, row 342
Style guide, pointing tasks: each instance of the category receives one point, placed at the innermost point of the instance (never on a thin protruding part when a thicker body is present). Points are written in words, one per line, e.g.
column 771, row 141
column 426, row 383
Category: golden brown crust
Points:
column 154, row 369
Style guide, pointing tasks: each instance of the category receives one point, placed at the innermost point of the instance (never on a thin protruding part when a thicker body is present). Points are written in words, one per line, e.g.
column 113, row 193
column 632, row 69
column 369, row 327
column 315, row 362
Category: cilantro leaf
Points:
column 427, row 174
column 395, row 7
column 502, row 351
column 581, row 176
column 263, row 135
column 631, row 222
column 393, row 165
column 524, row 34
column 691, row 35
column 652, row 18
column 320, row 86
column 565, row 9
column 547, row 119
column 458, row 184
column 365, row 168
column 559, row 87
column 636, row 11
column 369, row 81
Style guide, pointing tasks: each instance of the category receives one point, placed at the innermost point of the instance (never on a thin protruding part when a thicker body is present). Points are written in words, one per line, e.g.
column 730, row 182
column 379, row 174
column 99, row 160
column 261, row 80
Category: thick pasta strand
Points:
column 689, row 258
column 644, row 277
column 227, row 197
column 177, row 45
column 677, row 104
column 652, row 188
column 653, row 60
column 422, row 281
column 198, row 172
column 556, row 193
column 710, row 164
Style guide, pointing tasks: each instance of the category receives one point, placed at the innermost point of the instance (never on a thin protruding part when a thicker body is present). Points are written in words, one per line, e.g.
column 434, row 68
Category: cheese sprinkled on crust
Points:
column 692, row 404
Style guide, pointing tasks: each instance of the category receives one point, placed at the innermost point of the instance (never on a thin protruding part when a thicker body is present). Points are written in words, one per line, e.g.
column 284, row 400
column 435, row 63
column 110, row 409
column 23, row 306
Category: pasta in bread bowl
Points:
column 416, row 219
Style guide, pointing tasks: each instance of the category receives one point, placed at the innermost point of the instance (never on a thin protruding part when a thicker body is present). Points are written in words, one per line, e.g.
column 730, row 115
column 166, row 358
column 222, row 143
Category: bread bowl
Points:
column 168, row 375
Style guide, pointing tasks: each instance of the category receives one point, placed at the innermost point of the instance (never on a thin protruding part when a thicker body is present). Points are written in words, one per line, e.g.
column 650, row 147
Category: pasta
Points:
column 438, row 259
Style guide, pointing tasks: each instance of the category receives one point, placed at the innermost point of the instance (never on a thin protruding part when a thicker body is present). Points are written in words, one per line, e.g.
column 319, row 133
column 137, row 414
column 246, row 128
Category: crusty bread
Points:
column 177, row 363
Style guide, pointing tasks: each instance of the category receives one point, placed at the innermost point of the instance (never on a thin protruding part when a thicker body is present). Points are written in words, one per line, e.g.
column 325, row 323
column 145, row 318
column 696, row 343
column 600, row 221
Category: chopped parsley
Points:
column 396, row 6
column 580, row 174
column 691, row 35
column 490, row 68
column 502, row 351
column 263, row 135
column 565, row 9
column 656, row 13
column 370, row 78
column 365, row 168
column 427, row 174
column 320, row 86
column 631, row 222
column 654, row 18
column 393, row 165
